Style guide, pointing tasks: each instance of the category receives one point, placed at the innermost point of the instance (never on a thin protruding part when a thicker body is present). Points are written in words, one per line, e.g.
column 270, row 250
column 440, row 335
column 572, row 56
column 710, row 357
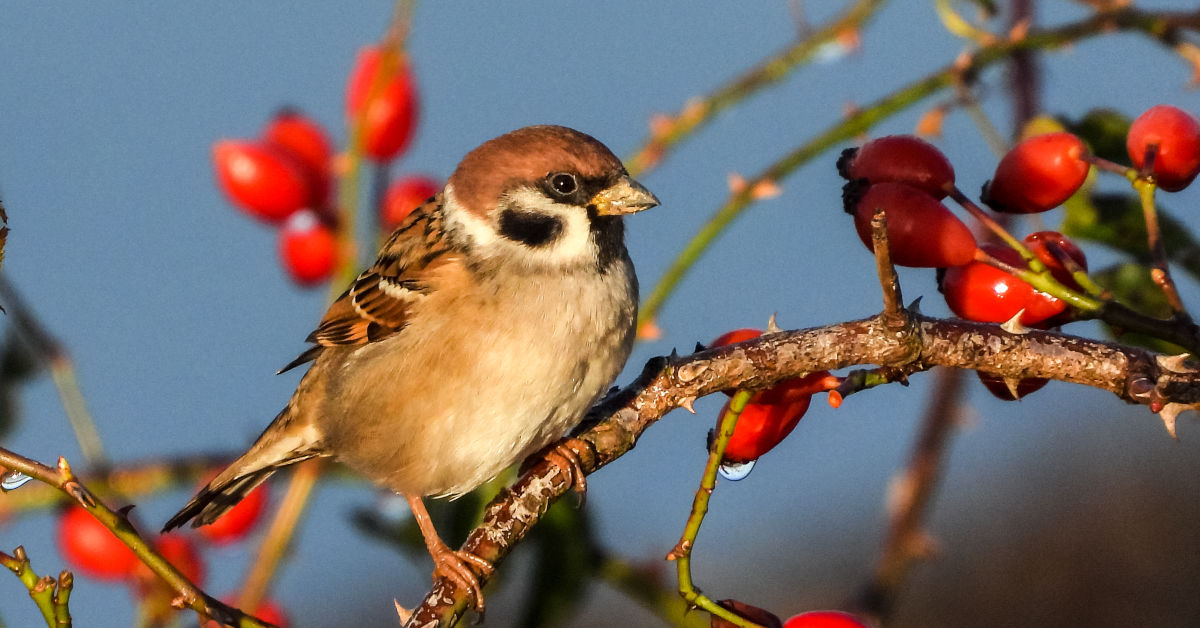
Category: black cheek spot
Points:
column 529, row 228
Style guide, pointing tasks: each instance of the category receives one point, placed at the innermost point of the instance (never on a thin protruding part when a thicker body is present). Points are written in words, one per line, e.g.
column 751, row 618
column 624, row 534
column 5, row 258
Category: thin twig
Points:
column 43, row 590
column 1162, row 269
column 1129, row 19
column 669, row 131
column 190, row 596
column 889, row 282
column 682, row 553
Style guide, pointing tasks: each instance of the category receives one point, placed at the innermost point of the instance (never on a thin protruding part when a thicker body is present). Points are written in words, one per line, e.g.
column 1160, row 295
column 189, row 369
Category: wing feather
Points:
column 380, row 301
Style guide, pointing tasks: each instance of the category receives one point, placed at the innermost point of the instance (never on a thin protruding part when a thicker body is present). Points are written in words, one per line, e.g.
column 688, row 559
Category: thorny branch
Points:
column 189, row 595
column 918, row 343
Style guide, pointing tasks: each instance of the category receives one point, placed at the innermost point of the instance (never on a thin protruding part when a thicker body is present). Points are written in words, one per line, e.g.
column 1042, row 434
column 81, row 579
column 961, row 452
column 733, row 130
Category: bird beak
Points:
column 626, row 196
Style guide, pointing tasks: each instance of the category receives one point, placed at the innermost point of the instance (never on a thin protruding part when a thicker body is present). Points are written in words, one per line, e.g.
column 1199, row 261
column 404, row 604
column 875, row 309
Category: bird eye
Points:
column 564, row 184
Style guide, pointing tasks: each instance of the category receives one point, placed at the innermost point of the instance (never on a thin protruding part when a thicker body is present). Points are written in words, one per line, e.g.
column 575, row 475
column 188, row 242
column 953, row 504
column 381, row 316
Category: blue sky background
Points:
column 177, row 313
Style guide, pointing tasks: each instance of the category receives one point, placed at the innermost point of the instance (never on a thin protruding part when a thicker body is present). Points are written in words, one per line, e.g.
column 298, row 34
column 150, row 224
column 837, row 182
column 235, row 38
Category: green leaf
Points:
column 1104, row 130
column 1132, row 285
column 1116, row 220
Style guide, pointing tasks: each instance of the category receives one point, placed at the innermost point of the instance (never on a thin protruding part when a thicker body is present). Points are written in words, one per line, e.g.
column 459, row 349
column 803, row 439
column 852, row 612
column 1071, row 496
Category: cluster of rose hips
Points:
column 908, row 178
column 92, row 549
column 286, row 176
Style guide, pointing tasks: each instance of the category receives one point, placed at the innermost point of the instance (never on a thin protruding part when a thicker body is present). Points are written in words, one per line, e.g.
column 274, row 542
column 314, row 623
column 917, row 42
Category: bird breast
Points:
column 479, row 379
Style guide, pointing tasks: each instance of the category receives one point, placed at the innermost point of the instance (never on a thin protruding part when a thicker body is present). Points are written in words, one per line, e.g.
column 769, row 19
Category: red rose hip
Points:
column 261, row 178
column 307, row 142
column 1038, row 174
column 308, row 249
column 90, row 547
column 384, row 105
column 922, row 232
column 402, row 197
column 825, row 619
column 1176, row 133
column 900, row 159
column 983, row 293
column 1047, row 245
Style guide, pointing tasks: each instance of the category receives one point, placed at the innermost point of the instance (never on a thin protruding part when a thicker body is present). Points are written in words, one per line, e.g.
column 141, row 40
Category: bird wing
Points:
column 379, row 302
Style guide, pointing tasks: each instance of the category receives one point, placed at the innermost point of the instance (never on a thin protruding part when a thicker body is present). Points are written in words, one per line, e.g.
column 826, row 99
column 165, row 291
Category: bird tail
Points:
column 283, row 443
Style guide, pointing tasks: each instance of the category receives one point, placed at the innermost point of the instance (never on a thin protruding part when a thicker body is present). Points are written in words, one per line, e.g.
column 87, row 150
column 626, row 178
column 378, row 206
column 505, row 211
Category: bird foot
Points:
column 455, row 566
column 563, row 455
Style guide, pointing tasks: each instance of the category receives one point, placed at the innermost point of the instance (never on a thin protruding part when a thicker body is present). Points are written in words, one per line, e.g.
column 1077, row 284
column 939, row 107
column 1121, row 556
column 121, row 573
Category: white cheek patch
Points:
column 573, row 245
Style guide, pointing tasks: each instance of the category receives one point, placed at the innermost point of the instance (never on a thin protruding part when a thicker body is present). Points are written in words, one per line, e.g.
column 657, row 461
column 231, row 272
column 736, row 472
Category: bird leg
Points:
column 453, row 565
column 562, row 455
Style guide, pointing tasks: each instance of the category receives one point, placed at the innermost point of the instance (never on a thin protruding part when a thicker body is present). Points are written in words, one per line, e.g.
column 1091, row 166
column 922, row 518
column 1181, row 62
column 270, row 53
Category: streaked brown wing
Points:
column 379, row 301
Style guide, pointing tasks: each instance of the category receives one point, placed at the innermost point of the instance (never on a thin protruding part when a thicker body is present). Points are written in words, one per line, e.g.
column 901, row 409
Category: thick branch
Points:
column 1134, row 375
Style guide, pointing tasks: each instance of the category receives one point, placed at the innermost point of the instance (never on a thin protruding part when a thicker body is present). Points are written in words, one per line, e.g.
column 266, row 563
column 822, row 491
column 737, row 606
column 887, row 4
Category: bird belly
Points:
column 446, row 409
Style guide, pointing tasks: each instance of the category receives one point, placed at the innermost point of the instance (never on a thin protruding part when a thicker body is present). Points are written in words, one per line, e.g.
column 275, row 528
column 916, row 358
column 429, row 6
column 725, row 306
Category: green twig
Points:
column 43, row 590
column 699, row 112
column 62, row 597
column 682, row 553
column 1152, row 24
column 997, row 229
column 1161, row 272
column 189, row 595
column 1045, row 282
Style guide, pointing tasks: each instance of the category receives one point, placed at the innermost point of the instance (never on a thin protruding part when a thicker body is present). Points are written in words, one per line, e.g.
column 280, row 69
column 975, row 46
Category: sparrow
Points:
column 494, row 316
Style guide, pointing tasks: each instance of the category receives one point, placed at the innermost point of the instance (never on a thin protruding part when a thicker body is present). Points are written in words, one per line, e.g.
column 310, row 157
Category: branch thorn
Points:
column 1014, row 326
column 772, row 325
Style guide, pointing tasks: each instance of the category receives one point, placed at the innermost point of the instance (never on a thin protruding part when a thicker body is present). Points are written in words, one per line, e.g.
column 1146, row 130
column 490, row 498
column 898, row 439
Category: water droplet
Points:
column 13, row 480
column 734, row 471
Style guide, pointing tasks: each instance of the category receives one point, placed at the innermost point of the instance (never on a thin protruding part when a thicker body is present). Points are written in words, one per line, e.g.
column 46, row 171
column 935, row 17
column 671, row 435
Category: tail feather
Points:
column 215, row 500
column 283, row 443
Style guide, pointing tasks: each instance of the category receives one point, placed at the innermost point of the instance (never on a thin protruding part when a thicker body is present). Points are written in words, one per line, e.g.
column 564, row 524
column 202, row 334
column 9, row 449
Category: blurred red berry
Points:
column 308, row 249
column 1176, row 133
column 306, row 141
column 983, row 293
column 1038, row 174
column 900, row 159
column 91, row 548
column 824, row 619
column 1044, row 245
column 921, row 231
column 402, row 197
column 239, row 520
column 386, row 105
column 261, row 178
column 996, row 385
column 735, row 336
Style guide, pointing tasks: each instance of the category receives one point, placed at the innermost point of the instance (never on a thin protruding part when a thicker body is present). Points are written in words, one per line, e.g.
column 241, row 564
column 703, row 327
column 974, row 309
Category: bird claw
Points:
column 563, row 456
column 455, row 566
